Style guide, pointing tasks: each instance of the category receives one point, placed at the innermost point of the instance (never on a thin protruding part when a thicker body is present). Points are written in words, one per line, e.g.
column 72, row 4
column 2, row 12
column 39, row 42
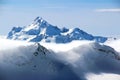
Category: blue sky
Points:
column 98, row 17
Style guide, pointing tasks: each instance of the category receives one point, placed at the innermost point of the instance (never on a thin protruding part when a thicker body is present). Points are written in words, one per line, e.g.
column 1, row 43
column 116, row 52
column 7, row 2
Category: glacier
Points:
column 41, row 31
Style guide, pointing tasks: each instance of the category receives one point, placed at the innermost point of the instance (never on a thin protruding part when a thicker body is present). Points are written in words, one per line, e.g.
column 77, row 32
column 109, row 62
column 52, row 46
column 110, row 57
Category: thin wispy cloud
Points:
column 108, row 10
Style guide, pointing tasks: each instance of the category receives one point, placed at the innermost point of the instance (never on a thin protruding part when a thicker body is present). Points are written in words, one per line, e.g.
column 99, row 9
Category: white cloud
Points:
column 108, row 10
column 103, row 76
column 78, row 60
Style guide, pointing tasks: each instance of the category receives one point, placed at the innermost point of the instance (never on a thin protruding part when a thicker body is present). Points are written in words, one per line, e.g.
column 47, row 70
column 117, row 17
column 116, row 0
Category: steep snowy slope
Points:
column 78, row 60
column 41, row 30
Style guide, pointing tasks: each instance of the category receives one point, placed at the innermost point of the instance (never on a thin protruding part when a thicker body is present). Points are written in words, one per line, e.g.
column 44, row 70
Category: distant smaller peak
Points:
column 76, row 29
column 64, row 29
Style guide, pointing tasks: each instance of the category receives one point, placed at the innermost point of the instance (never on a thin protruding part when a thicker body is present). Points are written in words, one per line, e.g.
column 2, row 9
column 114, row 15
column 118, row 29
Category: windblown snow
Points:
column 77, row 60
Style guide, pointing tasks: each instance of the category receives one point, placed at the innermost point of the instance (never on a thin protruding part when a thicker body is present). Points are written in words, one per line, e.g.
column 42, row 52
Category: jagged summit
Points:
column 41, row 30
column 39, row 20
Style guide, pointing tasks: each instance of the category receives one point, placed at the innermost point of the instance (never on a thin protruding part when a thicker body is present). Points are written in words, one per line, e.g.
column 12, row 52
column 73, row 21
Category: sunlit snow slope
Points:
column 78, row 60
column 41, row 31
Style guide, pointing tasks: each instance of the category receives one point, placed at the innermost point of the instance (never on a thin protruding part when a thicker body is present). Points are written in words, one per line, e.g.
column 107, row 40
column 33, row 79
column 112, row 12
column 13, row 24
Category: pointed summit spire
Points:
column 39, row 20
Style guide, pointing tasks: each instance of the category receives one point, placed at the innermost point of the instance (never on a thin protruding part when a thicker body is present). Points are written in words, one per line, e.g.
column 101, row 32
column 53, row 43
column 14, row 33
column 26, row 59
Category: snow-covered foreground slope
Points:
column 78, row 60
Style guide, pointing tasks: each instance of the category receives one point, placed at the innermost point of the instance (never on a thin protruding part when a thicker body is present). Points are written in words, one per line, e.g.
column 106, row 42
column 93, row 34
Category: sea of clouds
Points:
column 78, row 60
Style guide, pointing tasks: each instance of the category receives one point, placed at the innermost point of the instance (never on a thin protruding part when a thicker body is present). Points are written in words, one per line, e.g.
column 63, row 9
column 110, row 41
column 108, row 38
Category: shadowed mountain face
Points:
column 20, row 60
column 33, row 62
column 41, row 30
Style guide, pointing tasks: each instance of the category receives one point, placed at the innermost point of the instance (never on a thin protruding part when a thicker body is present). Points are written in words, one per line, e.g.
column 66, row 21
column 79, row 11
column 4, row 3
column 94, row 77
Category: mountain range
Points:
column 83, row 59
column 41, row 30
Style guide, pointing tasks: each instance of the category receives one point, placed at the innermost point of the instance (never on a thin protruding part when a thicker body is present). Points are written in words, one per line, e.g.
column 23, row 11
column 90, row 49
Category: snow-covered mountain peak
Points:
column 41, row 30
column 39, row 20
